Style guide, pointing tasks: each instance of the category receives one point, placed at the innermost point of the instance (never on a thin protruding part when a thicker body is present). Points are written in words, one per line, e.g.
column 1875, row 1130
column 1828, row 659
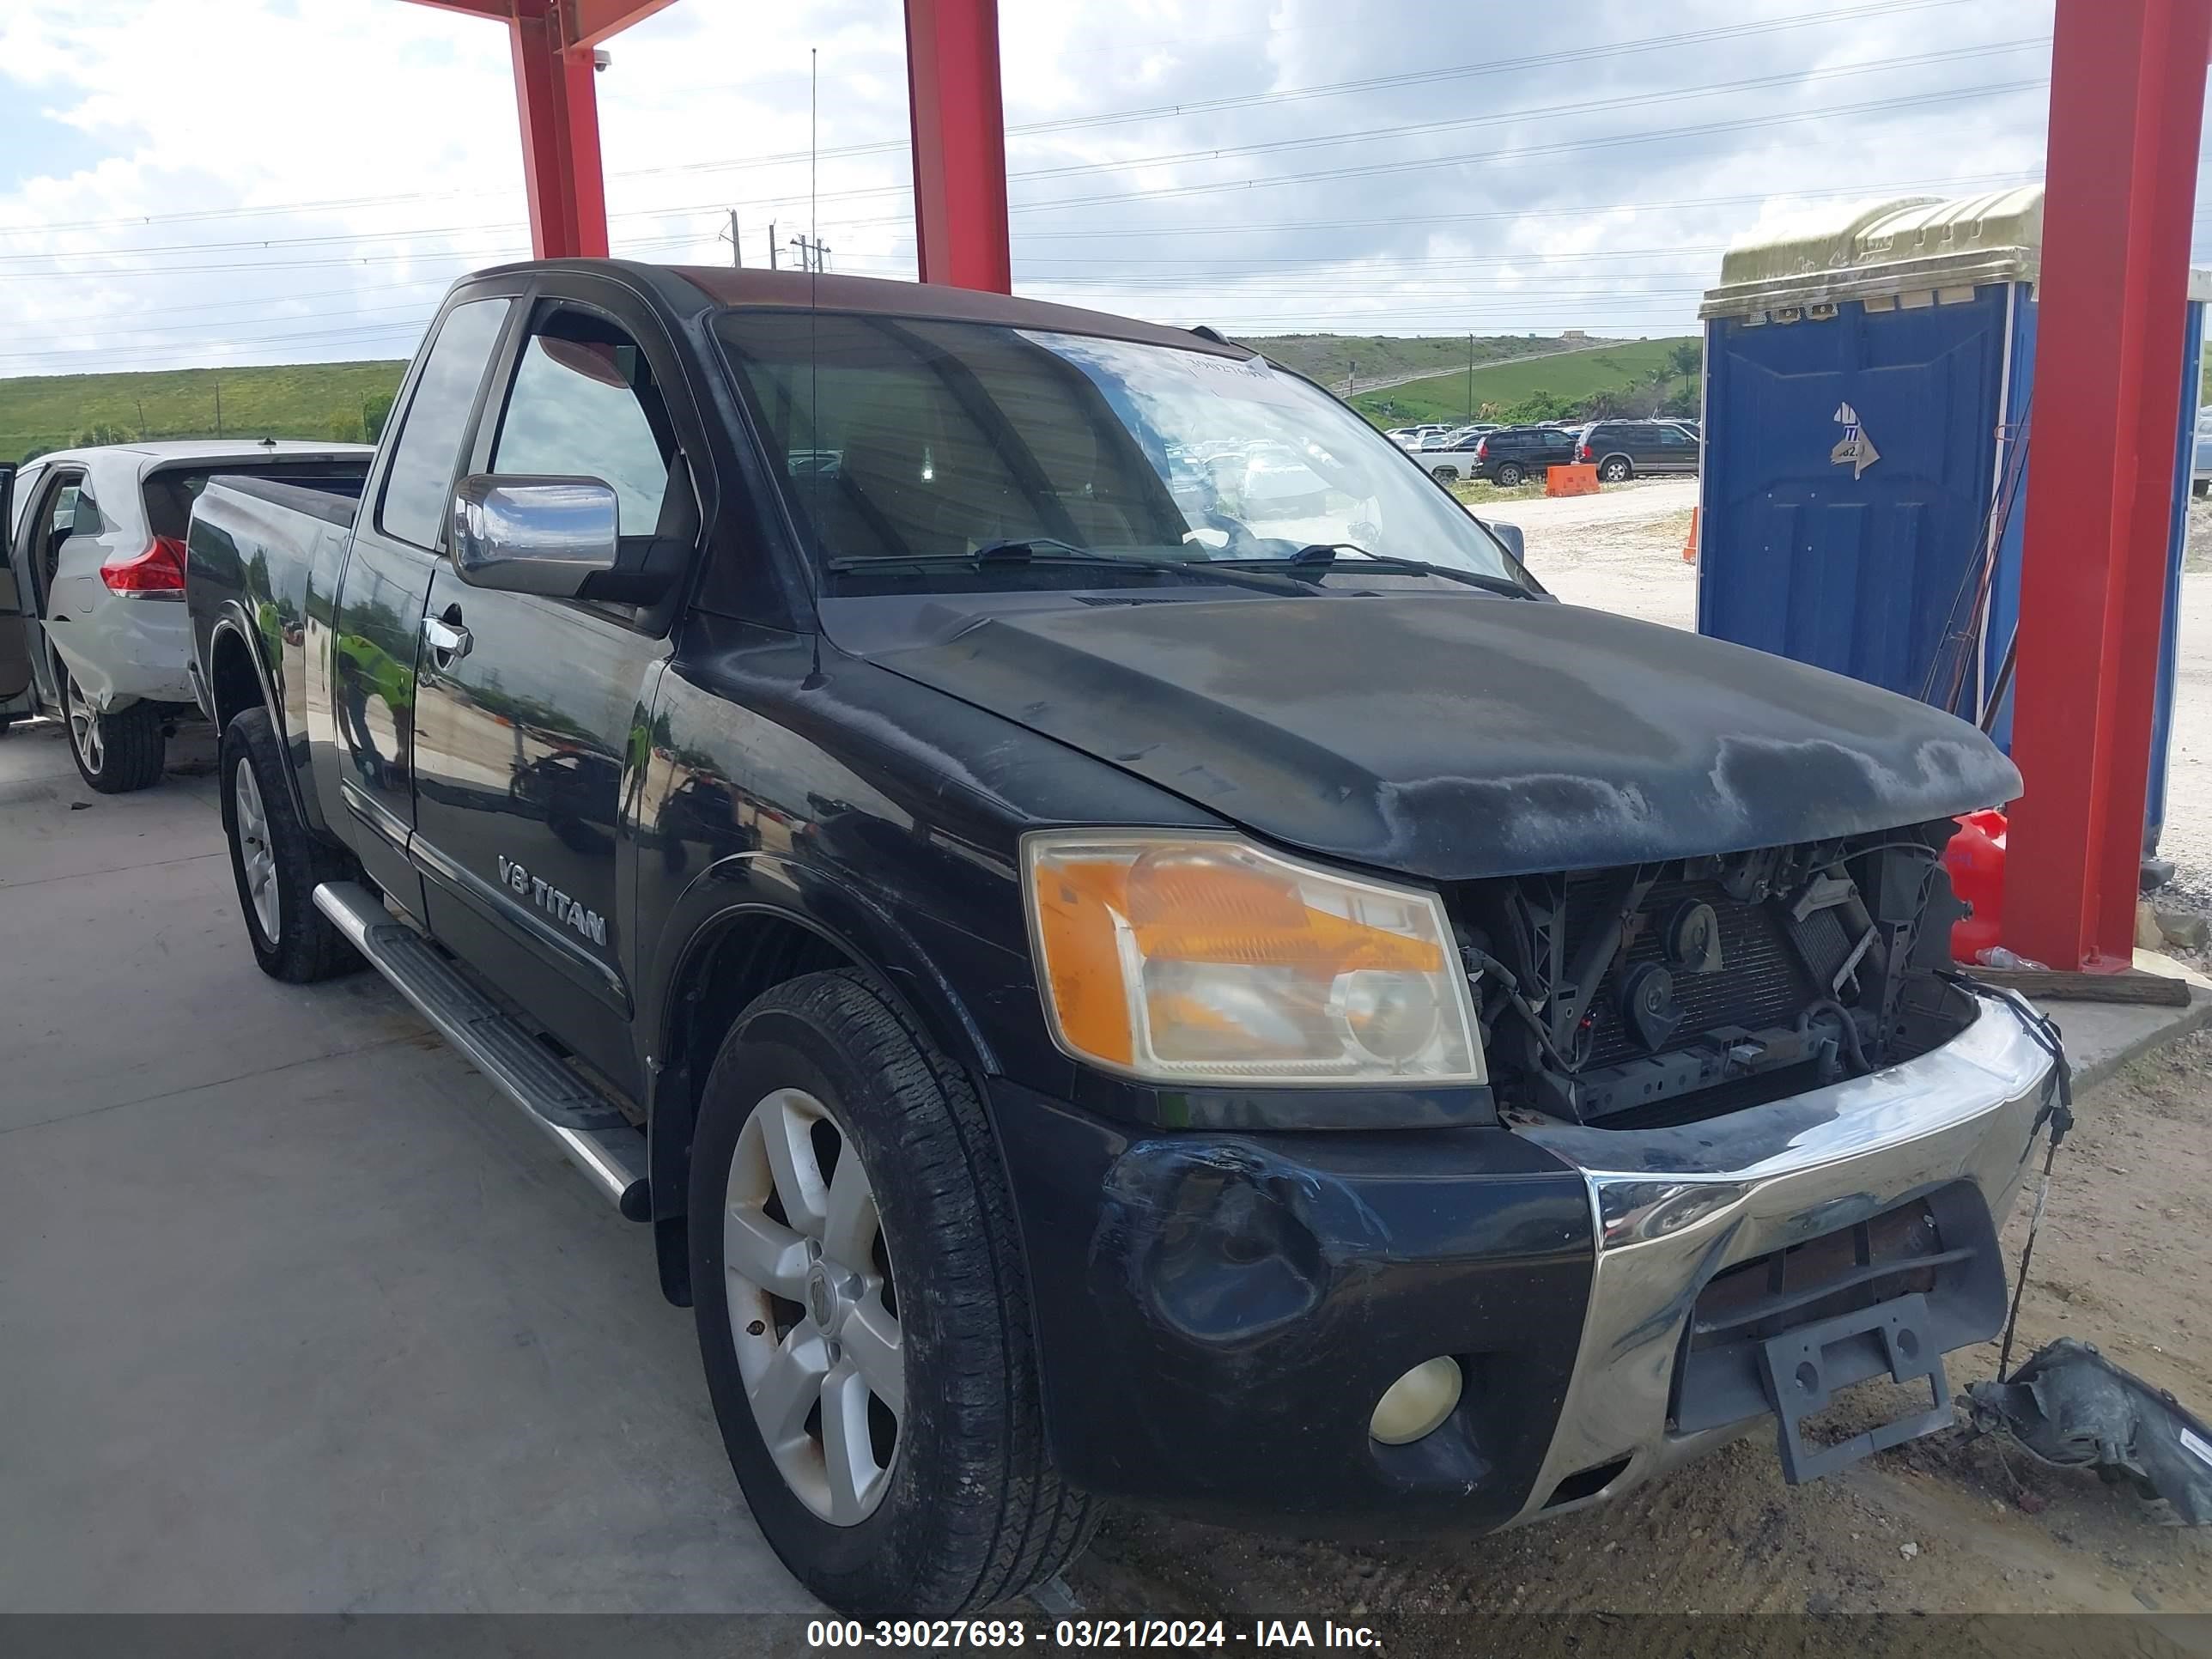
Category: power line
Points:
column 1541, row 112
column 1527, row 151
column 1494, row 66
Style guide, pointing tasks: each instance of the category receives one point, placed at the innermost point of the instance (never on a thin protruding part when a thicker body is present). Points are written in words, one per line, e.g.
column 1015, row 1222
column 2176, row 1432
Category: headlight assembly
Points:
column 1181, row 958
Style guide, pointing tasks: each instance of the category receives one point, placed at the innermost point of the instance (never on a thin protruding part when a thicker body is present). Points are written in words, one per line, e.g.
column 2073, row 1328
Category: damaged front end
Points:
column 1800, row 1133
column 1660, row 994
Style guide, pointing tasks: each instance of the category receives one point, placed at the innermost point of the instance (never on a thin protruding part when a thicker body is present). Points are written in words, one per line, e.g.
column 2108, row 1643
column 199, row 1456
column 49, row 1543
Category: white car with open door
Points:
column 96, row 576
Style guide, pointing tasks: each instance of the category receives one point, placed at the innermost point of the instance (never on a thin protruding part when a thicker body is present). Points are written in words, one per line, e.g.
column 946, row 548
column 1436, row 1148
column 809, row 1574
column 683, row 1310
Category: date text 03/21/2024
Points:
column 830, row 1633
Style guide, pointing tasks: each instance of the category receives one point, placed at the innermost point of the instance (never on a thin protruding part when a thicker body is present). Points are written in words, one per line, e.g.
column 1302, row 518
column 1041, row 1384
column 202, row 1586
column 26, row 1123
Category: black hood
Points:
column 1455, row 735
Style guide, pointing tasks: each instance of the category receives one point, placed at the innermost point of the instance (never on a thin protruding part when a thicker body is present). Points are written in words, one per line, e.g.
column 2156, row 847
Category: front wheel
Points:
column 1616, row 469
column 863, row 1312
column 117, row 750
column 1509, row 475
column 277, row 861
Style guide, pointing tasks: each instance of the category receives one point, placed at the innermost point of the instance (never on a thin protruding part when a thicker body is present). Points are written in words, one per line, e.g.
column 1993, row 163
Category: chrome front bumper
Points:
column 1674, row 1207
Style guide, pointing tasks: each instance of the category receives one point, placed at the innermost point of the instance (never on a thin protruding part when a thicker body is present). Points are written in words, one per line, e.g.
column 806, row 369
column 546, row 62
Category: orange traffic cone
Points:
column 1689, row 546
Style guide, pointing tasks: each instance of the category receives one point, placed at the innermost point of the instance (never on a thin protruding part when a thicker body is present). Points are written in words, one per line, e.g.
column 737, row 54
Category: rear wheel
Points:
column 1616, row 469
column 277, row 861
column 1444, row 475
column 863, row 1312
column 116, row 750
column 1511, row 474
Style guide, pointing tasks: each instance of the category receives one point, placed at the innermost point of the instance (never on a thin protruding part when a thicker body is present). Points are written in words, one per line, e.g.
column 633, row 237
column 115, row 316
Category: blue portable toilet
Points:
column 1869, row 383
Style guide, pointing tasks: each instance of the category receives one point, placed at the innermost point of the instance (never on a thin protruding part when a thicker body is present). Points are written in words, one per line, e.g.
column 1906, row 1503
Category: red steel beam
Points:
column 959, row 144
column 552, row 42
column 591, row 21
column 2127, row 93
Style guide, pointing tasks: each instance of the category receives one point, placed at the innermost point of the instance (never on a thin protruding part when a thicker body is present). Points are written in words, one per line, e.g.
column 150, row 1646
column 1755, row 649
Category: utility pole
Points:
column 141, row 402
column 1470, row 377
column 812, row 256
column 1350, row 376
column 771, row 245
column 737, row 248
column 218, row 409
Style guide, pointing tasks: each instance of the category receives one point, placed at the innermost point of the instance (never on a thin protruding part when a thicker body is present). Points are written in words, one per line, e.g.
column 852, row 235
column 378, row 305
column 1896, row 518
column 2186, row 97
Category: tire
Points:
column 276, row 860
column 1615, row 469
column 2200, row 486
column 958, row 1504
column 1444, row 475
column 116, row 751
column 1509, row 475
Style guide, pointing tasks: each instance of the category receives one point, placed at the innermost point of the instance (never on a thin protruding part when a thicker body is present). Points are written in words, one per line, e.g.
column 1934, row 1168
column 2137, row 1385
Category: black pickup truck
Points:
column 1124, row 947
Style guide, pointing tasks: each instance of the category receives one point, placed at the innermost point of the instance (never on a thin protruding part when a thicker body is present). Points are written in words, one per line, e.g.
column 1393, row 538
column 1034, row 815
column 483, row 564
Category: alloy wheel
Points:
column 254, row 852
column 813, row 1311
column 84, row 726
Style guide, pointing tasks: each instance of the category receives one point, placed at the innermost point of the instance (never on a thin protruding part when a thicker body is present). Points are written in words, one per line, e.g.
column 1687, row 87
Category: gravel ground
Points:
column 1944, row 1524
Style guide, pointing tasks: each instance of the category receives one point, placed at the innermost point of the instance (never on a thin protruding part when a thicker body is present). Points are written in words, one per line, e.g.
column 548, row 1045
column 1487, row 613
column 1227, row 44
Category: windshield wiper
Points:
column 1318, row 558
column 1049, row 549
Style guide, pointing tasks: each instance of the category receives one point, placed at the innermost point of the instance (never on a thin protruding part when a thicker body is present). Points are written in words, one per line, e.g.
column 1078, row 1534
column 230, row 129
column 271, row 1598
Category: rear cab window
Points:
column 418, row 485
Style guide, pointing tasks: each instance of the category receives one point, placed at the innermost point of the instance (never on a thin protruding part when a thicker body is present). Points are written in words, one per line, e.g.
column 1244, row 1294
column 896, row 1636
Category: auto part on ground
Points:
column 2072, row 1409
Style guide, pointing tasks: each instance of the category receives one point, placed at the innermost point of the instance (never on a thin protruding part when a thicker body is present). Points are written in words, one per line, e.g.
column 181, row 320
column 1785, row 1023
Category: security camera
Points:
column 601, row 57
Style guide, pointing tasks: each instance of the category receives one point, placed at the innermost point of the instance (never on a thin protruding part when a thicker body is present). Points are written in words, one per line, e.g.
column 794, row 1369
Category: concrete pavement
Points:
column 295, row 1313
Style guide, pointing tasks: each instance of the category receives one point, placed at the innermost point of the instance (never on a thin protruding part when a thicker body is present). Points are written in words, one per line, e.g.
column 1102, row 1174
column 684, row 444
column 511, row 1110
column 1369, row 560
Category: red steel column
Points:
column 959, row 144
column 560, row 136
column 2127, row 94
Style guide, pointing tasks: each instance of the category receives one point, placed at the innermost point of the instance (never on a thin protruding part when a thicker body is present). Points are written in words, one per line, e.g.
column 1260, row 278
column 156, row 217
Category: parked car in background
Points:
column 1417, row 437
column 1458, row 437
column 1621, row 450
column 1241, row 1006
column 2200, row 472
column 1512, row 454
column 98, row 560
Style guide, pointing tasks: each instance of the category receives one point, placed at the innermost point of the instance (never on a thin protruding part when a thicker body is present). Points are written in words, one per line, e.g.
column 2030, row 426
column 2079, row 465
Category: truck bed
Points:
column 333, row 499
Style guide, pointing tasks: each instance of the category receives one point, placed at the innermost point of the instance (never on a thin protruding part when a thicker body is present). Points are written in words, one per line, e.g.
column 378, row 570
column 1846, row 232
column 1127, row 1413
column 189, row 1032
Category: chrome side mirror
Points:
column 531, row 535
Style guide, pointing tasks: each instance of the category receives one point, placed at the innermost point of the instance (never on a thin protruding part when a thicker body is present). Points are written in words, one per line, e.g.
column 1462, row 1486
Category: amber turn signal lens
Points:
column 1198, row 958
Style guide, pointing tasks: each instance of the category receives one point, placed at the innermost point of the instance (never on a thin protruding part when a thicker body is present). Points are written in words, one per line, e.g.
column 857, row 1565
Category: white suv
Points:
column 96, row 551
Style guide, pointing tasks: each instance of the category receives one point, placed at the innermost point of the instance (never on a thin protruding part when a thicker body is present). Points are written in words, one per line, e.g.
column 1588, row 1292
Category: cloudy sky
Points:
column 209, row 181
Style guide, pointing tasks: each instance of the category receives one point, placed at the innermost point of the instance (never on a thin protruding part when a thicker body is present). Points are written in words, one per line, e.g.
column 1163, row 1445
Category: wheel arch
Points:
column 735, row 947
column 238, row 679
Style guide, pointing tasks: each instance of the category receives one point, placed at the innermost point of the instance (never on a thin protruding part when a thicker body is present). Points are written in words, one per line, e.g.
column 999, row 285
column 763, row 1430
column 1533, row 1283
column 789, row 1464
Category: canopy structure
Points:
column 952, row 82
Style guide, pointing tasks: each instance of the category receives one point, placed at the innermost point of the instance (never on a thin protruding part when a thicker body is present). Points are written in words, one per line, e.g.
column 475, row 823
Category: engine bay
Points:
column 1661, row 993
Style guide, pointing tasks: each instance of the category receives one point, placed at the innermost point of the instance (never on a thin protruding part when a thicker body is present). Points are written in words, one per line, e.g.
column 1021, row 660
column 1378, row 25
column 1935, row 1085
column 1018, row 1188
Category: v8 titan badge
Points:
column 1854, row 449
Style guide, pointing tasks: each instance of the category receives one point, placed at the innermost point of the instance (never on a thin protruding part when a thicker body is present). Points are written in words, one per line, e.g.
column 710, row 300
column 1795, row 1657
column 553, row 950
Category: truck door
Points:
column 528, row 709
column 376, row 614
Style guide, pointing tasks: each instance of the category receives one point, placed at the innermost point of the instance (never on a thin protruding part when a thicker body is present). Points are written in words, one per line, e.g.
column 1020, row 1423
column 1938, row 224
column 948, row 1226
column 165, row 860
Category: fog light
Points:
column 1417, row 1403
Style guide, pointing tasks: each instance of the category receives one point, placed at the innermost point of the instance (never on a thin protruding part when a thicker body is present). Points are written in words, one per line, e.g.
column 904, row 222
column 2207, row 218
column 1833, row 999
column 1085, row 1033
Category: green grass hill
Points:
column 293, row 400
column 1545, row 389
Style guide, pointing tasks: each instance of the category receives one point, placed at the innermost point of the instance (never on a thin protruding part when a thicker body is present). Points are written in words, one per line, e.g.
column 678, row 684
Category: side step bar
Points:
column 582, row 1123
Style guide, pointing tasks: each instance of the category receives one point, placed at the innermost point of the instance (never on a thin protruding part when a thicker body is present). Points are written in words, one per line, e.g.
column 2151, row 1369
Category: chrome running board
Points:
column 582, row 1123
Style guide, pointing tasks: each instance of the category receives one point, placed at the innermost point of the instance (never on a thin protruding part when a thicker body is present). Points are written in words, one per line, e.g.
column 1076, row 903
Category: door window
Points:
column 584, row 405
column 418, row 490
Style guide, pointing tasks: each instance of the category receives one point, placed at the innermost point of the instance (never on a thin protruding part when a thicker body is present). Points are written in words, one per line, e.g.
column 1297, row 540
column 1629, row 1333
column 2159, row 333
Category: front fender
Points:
column 865, row 933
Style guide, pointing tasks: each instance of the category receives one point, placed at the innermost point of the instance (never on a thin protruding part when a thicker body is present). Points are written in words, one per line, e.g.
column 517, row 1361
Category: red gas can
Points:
column 1976, row 858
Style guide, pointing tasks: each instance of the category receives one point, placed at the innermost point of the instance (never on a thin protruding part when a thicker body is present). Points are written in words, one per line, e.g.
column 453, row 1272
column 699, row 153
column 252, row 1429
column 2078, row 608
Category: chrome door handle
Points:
column 447, row 639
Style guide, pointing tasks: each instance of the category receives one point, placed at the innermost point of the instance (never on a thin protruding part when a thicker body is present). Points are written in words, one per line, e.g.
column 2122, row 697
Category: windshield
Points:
column 909, row 441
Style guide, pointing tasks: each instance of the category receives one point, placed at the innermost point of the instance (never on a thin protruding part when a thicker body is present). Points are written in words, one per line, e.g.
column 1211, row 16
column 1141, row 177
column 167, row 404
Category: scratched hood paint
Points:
column 1456, row 735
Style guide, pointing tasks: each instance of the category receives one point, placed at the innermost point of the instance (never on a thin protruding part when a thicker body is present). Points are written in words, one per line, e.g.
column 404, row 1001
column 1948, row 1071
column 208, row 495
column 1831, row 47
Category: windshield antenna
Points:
column 813, row 350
